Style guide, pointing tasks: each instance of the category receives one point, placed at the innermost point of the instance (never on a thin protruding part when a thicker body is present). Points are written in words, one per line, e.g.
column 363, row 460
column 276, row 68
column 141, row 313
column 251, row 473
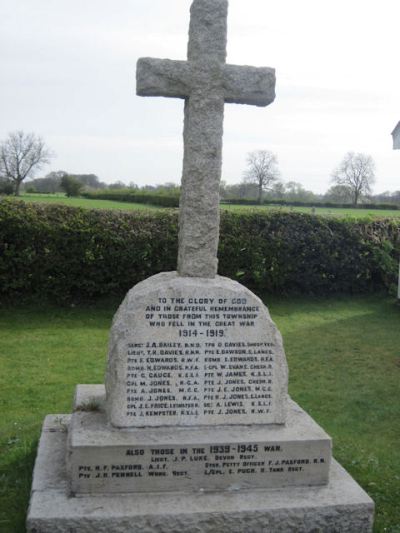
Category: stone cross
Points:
column 205, row 82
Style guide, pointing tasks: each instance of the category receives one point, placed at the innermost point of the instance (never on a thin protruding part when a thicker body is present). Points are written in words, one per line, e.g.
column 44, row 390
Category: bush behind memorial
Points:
column 67, row 253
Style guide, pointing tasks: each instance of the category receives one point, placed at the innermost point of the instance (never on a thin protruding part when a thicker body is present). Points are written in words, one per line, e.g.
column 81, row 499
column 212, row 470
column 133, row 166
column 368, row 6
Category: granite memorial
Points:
column 194, row 429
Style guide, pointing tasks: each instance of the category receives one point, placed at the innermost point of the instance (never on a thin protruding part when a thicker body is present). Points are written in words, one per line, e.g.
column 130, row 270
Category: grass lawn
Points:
column 344, row 362
column 336, row 211
column 85, row 202
column 126, row 206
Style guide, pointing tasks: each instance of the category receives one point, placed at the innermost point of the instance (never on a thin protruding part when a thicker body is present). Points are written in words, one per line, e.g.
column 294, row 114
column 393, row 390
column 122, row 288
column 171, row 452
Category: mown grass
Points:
column 326, row 211
column 126, row 206
column 344, row 361
column 85, row 202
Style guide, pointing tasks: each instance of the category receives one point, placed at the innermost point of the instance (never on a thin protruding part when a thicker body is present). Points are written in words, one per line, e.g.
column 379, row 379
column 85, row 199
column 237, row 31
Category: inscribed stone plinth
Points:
column 102, row 460
column 190, row 351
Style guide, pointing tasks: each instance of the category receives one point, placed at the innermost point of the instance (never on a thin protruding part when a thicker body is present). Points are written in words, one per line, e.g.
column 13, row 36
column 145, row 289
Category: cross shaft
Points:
column 205, row 82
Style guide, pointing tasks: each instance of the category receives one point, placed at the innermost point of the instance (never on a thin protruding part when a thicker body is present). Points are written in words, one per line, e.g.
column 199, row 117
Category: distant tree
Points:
column 168, row 188
column 222, row 189
column 118, row 185
column 356, row 171
column 6, row 186
column 262, row 169
column 295, row 192
column 242, row 190
column 71, row 185
column 89, row 180
column 386, row 197
column 21, row 155
column 395, row 196
column 51, row 183
column 278, row 191
column 168, row 185
column 341, row 194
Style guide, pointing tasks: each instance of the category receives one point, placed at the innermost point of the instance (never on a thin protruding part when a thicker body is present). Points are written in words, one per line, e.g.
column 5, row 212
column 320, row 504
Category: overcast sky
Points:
column 68, row 74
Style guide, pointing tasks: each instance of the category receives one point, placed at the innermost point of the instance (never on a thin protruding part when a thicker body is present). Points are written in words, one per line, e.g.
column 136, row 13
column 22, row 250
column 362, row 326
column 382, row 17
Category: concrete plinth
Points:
column 341, row 506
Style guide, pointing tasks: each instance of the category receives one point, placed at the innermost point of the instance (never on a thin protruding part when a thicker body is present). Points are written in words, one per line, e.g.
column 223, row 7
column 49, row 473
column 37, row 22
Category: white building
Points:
column 396, row 137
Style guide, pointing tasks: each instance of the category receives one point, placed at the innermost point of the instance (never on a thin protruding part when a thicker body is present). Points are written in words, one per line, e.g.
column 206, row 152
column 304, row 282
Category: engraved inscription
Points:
column 197, row 367
column 222, row 465
column 189, row 352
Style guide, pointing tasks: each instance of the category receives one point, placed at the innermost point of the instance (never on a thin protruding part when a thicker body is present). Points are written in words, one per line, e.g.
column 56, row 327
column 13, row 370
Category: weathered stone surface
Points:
column 206, row 83
column 339, row 507
column 102, row 460
column 208, row 30
column 191, row 351
column 249, row 85
column 178, row 79
column 163, row 77
column 52, row 450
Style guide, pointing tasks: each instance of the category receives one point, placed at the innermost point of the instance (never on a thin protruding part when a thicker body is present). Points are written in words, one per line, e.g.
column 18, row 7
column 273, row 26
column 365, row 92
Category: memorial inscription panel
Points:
column 193, row 458
column 204, row 466
column 190, row 352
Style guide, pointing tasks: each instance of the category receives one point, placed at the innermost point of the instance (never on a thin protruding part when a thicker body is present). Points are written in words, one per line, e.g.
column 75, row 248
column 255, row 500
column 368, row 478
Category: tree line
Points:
column 351, row 180
column 23, row 155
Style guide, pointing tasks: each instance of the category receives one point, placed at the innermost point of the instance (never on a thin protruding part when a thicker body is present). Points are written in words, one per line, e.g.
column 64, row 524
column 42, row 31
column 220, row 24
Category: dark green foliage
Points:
column 66, row 253
column 71, row 186
column 300, row 253
column 6, row 186
column 134, row 196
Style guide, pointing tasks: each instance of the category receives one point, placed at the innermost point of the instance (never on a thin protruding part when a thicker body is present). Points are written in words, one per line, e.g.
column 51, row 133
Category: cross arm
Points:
column 249, row 85
column 162, row 77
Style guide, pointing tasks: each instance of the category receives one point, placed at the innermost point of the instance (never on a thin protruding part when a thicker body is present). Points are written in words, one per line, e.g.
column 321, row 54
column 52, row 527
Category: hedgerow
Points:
column 301, row 253
column 126, row 195
column 66, row 253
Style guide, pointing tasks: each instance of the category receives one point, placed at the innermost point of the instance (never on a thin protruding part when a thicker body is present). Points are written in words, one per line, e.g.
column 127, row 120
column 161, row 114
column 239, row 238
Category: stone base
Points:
column 104, row 460
column 341, row 506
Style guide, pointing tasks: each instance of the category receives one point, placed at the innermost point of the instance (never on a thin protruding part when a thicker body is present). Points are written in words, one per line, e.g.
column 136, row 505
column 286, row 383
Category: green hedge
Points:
column 123, row 195
column 300, row 253
column 66, row 253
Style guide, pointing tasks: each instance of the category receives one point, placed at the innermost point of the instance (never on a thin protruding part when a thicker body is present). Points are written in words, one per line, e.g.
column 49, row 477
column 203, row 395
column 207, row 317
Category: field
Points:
column 337, row 211
column 85, row 203
column 344, row 362
column 108, row 204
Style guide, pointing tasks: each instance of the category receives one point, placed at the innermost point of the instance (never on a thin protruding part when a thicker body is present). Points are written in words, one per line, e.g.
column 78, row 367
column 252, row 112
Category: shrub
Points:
column 71, row 185
column 70, row 253
column 6, row 187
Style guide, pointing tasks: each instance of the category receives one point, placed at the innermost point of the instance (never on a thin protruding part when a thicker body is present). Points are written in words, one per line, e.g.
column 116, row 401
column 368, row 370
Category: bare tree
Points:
column 262, row 169
column 21, row 154
column 357, row 172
